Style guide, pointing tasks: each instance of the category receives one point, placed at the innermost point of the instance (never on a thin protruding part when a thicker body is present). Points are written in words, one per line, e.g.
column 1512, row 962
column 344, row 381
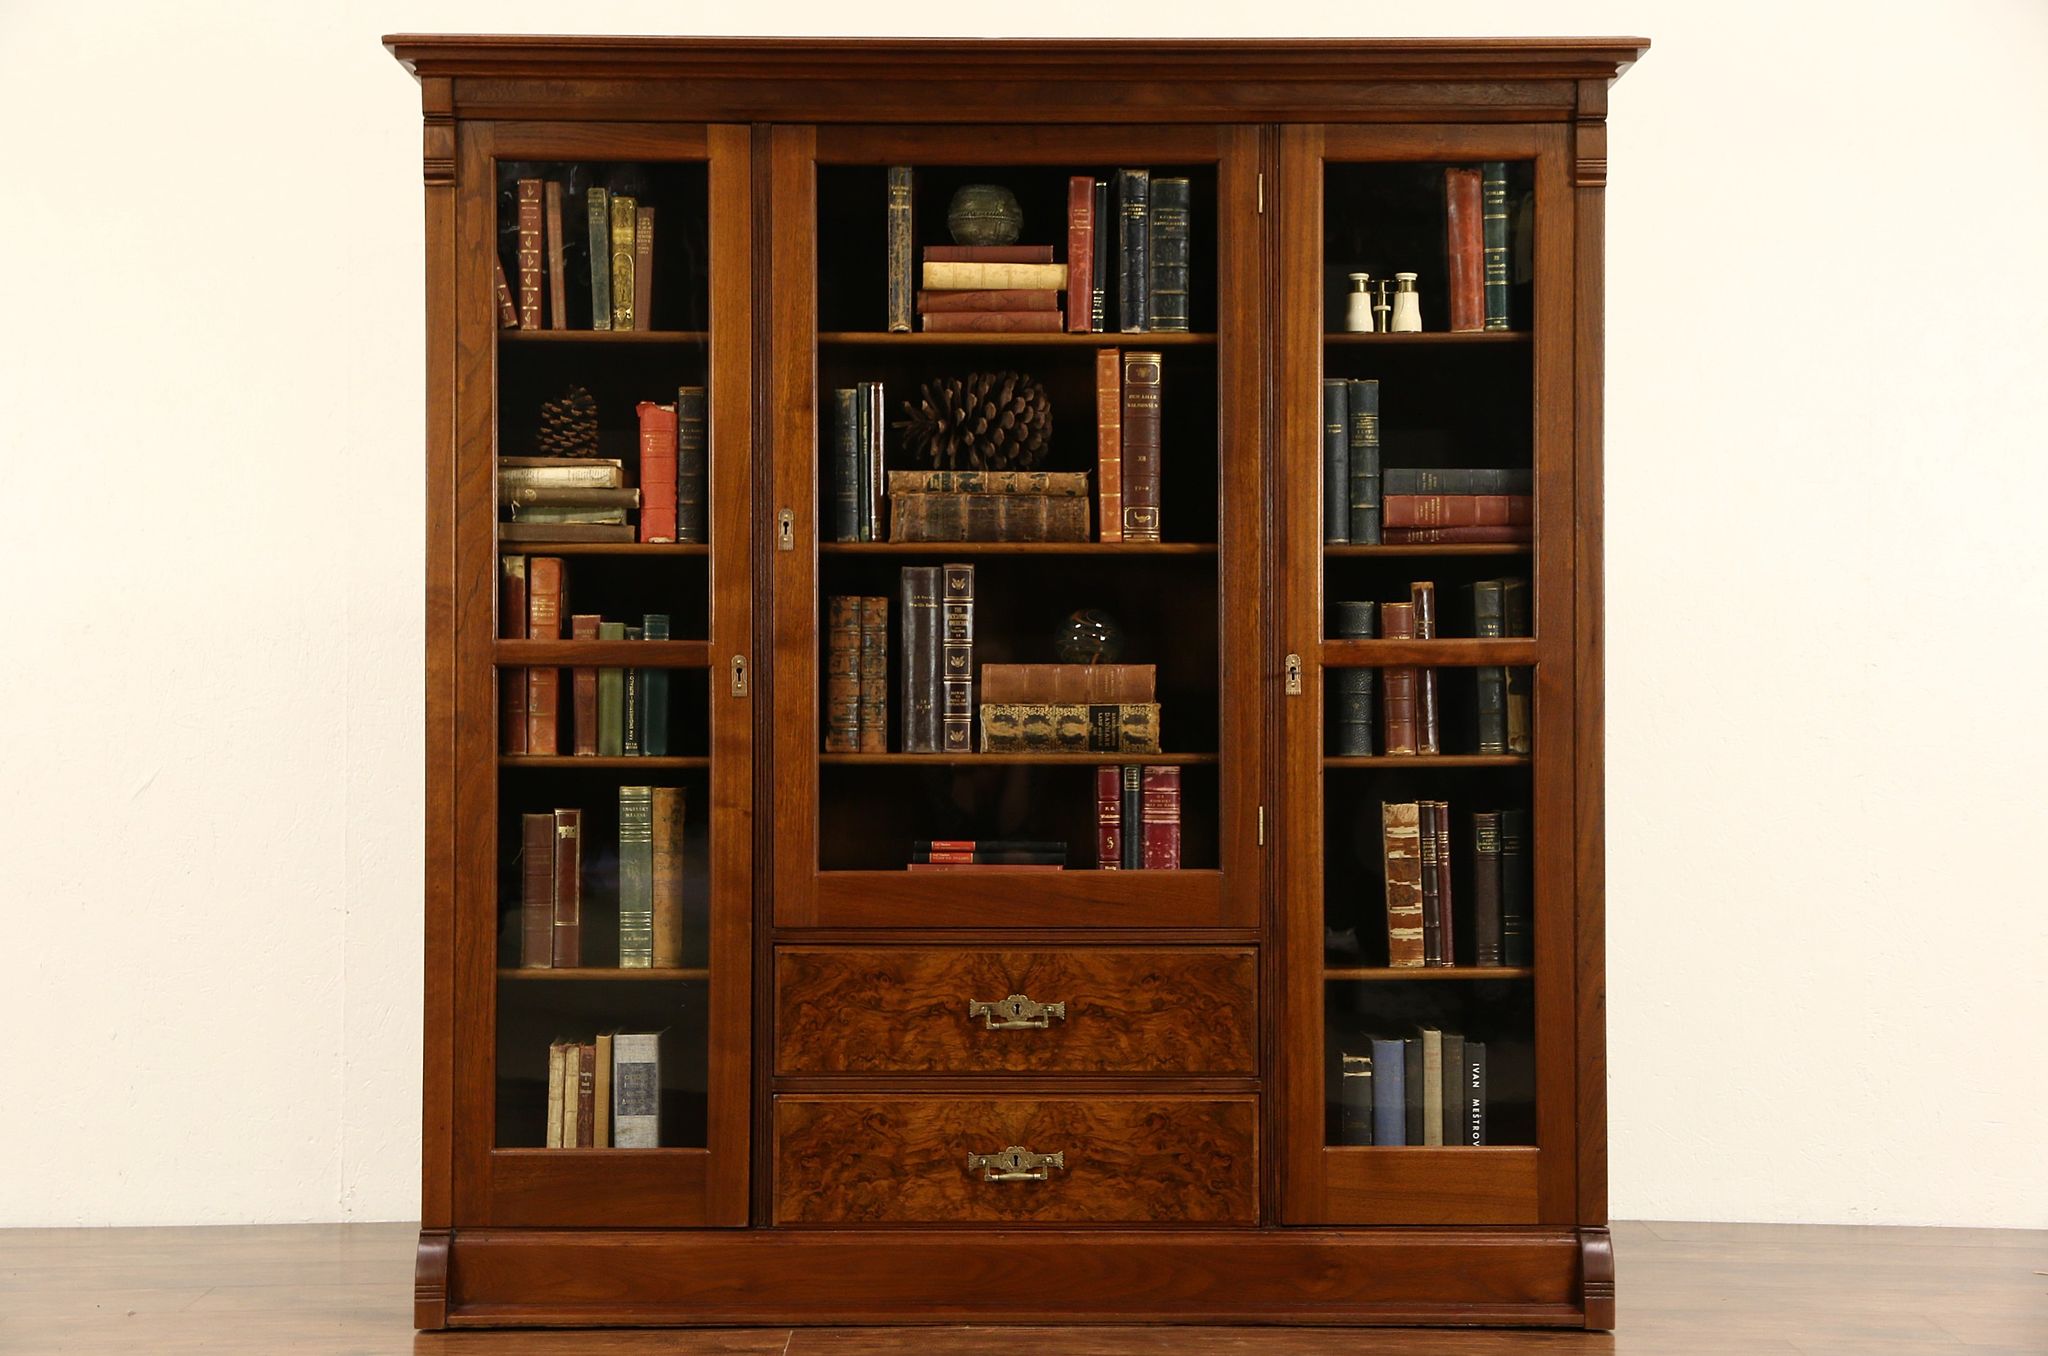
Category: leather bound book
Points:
column 875, row 476
column 1446, row 902
column 1402, row 839
column 536, row 891
column 525, row 499
column 918, row 620
column 1336, row 463
column 1457, row 480
column 558, row 1067
column 1134, row 230
column 1354, row 1099
column 842, row 675
column 633, row 706
column 874, row 675
column 572, row 1077
column 1053, row 484
column 1464, row 248
column 988, row 277
column 864, row 524
column 636, row 877
column 1084, row 684
column 1475, row 1093
column 1109, row 818
column 1486, row 889
column 1098, row 298
column 1140, row 470
column 601, row 1132
column 667, row 871
column 625, row 217
column 846, row 464
column 636, row 1090
column 657, row 471
column 1131, row 813
column 1351, row 690
column 1432, row 874
column 512, row 622
column 1389, row 1093
column 1488, row 620
column 1109, row 443
column 597, row 216
column 1493, row 234
column 546, row 586
column 558, row 258
column 529, row 254
column 960, row 516
column 1446, row 536
column 900, row 249
column 993, row 322
column 654, row 688
column 1398, row 683
column 956, row 659
column 1167, row 256
column 508, row 309
column 691, row 449
column 611, row 699
column 1423, row 595
column 1159, row 805
column 988, row 254
column 1452, row 1094
column 1069, row 727
column 567, row 920
column 586, row 1096
column 643, row 268
column 583, row 690
column 1000, row 299
column 1492, row 685
column 1362, row 412
column 1080, row 251
column 1515, row 941
column 1457, row 510
column 1411, row 1050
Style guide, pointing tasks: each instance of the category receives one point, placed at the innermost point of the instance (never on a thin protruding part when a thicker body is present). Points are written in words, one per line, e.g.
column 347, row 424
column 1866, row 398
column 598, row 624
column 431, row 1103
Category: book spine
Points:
column 547, row 532
column 597, row 214
column 1109, row 444
column 877, row 471
column 636, row 1090
column 1351, row 690
column 1518, row 711
column 1493, row 207
column 572, row 1071
column 536, row 891
column 1465, row 248
column 557, row 1077
column 1475, row 1093
column 611, row 699
column 1336, row 463
column 1457, row 480
column 633, row 706
column 987, row 517
column 842, row 675
column 583, row 691
column 1354, row 1098
column 1389, row 1093
column 512, row 623
column 863, row 463
column 1069, row 727
column 1457, row 510
column 956, row 657
column 874, row 675
column 1089, row 684
column 508, row 308
column 558, row 280
column 974, row 277
column 636, row 877
column 1057, row 484
column 1166, row 260
column 666, row 873
column 586, row 1096
column 601, row 1133
column 1398, row 683
column 1444, row 536
column 1446, row 892
column 1486, row 889
column 1159, row 803
column 570, row 517
column 526, row 498
column 529, row 254
column 1422, row 596
column 919, row 621
column 1411, row 1052
column 1109, row 801
column 1131, row 814
column 624, row 210
column 1451, row 1128
column 691, row 449
column 1362, row 409
column 1080, row 251
column 515, row 474
column 1515, row 948
column 567, row 919
column 654, row 692
column 900, row 249
column 1492, row 685
column 993, row 322
column 545, row 585
column 1133, row 211
column 999, row 299
column 1140, row 470
column 1098, row 291
column 988, row 254
column 845, row 464
column 643, row 268
column 657, row 471
column 1402, row 839
column 1432, row 917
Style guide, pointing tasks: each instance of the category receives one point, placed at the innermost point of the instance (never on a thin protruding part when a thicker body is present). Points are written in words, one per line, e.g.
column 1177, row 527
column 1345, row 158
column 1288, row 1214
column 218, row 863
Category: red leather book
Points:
column 643, row 272
column 1422, row 594
column 998, row 299
column 1397, row 684
column 1159, row 803
column 1456, row 510
column 1140, row 470
column 567, row 920
column 508, row 309
column 1109, row 834
column 583, row 690
column 1432, row 872
column 546, row 585
column 1466, row 247
column 1440, row 827
column 1109, row 443
column 993, row 322
column 529, row 254
column 988, row 254
column 512, row 682
column 1433, row 536
column 558, row 277
column 657, row 471
column 586, row 1097
column 1080, row 252
column 536, row 891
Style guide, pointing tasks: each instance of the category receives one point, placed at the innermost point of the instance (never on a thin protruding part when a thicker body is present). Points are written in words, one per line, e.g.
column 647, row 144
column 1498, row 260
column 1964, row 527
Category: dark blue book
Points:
column 1389, row 1093
column 1336, row 464
column 1362, row 418
column 1134, row 229
column 654, row 692
column 845, row 464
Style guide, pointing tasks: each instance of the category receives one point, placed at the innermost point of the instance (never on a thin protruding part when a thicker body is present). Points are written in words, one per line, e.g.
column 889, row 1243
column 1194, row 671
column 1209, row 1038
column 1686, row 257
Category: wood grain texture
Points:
column 904, row 1010
column 1155, row 1160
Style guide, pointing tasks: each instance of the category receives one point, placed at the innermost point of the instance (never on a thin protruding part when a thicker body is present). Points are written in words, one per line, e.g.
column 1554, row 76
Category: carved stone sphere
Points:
column 985, row 214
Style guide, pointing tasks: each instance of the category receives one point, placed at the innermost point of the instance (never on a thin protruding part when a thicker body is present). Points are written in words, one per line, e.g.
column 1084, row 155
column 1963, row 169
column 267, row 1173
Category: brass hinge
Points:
column 1294, row 675
column 1262, row 192
column 785, row 530
column 739, row 675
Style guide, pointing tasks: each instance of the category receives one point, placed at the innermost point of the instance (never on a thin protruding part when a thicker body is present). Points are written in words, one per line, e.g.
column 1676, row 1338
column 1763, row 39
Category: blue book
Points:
column 1389, row 1093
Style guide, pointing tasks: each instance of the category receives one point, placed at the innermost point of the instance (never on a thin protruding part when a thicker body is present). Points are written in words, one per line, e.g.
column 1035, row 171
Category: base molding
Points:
column 1548, row 1277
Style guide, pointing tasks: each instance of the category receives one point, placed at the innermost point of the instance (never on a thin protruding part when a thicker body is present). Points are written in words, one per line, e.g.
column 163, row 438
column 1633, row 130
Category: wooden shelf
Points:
column 922, row 339
column 603, row 548
column 1449, row 548
column 604, row 336
column 1430, row 337
column 588, row 762
column 1384, row 974
column 604, row 973
column 1008, row 759
column 624, row 654
column 1414, row 760
column 1139, row 549
column 1455, row 653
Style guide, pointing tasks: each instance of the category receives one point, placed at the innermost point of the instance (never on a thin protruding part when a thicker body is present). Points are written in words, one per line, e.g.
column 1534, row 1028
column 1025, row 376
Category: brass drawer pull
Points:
column 1016, row 1013
column 1016, row 1164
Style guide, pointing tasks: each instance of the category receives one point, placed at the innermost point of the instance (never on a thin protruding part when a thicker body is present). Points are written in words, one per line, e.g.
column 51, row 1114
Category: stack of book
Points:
column 858, row 425
column 987, row 854
column 650, row 883
column 1465, row 504
column 856, row 675
column 1351, row 462
column 1417, row 866
column 621, row 240
column 1069, row 708
column 936, row 633
column 1422, row 1091
column 991, row 289
column 1137, row 817
column 564, row 499
column 988, row 506
column 605, row 1093
column 1500, row 607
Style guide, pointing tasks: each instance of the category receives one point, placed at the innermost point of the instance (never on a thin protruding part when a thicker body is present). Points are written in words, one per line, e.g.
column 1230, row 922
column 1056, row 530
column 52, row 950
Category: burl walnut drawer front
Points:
column 942, row 1010
column 1016, row 1160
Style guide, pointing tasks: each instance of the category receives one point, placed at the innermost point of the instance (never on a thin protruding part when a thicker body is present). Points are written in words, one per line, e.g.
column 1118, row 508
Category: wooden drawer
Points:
column 1127, row 1160
column 899, row 1010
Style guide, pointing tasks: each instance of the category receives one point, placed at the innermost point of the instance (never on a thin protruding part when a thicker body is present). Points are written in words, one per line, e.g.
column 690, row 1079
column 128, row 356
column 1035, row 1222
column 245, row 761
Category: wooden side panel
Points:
column 1155, row 1160
column 904, row 1010
column 1437, row 1186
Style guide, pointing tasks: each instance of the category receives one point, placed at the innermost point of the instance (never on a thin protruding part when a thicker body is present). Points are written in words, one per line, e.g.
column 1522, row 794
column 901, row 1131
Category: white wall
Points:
column 1825, row 579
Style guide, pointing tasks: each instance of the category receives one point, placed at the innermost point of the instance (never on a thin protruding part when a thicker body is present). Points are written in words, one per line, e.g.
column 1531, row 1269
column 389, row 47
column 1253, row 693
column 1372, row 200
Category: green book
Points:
column 633, row 703
column 654, row 692
column 611, row 699
column 636, row 877
column 599, row 213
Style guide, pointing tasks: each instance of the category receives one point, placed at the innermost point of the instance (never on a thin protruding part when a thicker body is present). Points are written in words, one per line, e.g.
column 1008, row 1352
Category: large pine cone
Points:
column 985, row 421
column 568, row 427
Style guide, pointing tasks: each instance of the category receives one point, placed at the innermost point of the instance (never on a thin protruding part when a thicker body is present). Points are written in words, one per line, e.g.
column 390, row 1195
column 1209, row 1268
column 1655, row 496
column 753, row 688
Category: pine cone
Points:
column 568, row 427
column 985, row 421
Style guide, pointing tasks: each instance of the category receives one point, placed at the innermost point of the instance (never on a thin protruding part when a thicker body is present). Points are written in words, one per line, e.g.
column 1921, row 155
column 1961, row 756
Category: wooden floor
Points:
column 1696, row 1289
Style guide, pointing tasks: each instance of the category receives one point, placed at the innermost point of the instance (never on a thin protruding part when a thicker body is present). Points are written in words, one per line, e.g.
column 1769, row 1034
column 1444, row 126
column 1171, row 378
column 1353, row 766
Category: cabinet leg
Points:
column 1596, row 1277
column 430, row 1279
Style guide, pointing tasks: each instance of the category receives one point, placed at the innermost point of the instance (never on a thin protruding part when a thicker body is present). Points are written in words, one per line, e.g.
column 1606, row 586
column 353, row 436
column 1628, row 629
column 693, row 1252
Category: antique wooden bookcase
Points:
column 821, row 1084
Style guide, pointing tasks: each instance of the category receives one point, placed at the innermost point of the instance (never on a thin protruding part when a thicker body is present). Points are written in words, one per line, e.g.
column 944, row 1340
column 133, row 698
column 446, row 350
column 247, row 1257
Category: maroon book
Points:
column 1159, row 808
column 993, row 322
column 1441, row 827
column 657, row 471
column 998, row 299
column 988, row 254
column 567, row 919
column 1080, row 252
column 545, row 584
column 1140, row 469
column 1466, row 247
column 1397, row 684
column 1109, row 803
column 1456, row 510
column 558, row 273
column 583, row 690
column 529, row 254
column 1430, row 536
column 536, row 891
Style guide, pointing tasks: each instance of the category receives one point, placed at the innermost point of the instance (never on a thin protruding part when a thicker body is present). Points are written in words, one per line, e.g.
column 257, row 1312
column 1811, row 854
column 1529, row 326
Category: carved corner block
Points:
column 430, row 1279
column 1596, row 1277
column 437, row 133
column 1589, row 136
